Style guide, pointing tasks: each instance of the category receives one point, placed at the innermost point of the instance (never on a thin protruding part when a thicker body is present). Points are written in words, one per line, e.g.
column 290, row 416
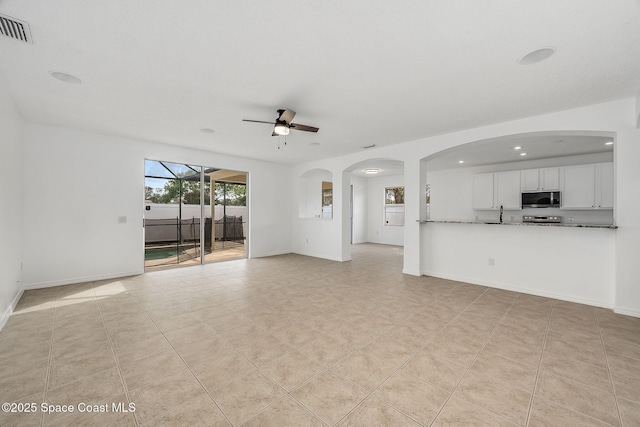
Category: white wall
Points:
column 11, row 166
column 574, row 264
column 617, row 117
column 377, row 231
column 452, row 192
column 86, row 181
column 628, row 220
column 310, row 194
column 360, row 209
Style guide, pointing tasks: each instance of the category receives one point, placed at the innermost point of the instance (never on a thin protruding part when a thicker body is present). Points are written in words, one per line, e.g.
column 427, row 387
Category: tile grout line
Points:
column 591, row 386
column 48, row 375
column 192, row 373
column 427, row 342
column 535, row 384
column 498, row 323
column 606, row 358
column 115, row 357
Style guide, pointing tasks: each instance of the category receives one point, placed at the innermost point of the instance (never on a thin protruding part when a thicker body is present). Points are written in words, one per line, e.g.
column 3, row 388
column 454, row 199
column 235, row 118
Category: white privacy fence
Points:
column 162, row 223
column 165, row 211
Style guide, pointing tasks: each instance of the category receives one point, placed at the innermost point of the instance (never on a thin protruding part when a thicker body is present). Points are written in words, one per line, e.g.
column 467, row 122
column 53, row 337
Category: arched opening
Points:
column 472, row 181
column 375, row 211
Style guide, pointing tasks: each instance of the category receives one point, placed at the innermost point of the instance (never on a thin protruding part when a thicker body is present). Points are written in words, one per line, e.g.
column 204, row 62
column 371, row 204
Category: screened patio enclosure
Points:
column 193, row 214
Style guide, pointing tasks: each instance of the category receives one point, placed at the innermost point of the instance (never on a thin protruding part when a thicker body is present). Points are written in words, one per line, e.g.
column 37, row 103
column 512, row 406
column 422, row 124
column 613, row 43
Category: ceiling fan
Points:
column 283, row 124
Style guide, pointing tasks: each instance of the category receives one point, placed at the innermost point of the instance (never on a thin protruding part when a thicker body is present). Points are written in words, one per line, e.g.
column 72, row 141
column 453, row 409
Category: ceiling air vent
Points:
column 15, row 29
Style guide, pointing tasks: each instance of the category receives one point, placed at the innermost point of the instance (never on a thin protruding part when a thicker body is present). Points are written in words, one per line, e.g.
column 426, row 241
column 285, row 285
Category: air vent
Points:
column 15, row 29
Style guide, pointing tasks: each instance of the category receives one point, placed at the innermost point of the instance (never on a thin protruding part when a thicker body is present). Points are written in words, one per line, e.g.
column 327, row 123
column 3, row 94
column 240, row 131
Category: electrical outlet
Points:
column 492, row 262
column 122, row 220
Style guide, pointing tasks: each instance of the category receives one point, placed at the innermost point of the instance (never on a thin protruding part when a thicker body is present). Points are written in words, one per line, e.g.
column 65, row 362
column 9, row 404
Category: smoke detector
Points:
column 15, row 28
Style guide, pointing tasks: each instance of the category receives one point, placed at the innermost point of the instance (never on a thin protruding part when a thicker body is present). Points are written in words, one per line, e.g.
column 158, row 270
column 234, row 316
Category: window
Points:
column 327, row 199
column 394, row 206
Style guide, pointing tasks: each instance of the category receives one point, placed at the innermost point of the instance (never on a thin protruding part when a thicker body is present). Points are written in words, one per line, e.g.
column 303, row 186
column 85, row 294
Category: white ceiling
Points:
column 364, row 72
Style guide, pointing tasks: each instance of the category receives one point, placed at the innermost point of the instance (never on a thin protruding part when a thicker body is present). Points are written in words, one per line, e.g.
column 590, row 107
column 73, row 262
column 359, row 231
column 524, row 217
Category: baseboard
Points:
column 322, row 256
column 412, row 272
column 12, row 307
column 62, row 282
column 536, row 292
column 626, row 311
column 268, row 254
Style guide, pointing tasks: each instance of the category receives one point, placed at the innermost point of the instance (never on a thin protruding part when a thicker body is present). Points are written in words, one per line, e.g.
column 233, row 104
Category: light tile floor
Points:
column 293, row 340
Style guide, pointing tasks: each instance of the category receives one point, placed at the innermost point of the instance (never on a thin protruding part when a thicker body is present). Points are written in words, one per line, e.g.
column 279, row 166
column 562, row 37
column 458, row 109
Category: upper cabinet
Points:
column 483, row 191
column 549, row 179
column 508, row 190
column 492, row 190
column 604, row 185
column 546, row 179
column 581, row 186
column 588, row 186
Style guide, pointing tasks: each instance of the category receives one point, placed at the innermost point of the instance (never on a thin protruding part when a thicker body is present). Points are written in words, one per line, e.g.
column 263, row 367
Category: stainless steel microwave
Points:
column 541, row 199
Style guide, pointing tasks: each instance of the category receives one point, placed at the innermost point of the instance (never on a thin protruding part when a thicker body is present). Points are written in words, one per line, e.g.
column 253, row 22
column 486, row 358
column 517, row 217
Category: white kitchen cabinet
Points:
column 507, row 188
column 492, row 190
column 545, row 179
column 530, row 179
column 483, row 191
column 604, row 185
column 549, row 179
column 588, row 186
column 579, row 187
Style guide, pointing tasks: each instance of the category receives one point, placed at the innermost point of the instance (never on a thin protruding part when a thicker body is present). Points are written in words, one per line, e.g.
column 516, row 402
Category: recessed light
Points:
column 371, row 171
column 64, row 77
column 517, row 148
column 460, row 161
column 608, row 143
column 523, row 154
column 314, row 143
column 537, row 55
column 206, row 130
column 369, row 146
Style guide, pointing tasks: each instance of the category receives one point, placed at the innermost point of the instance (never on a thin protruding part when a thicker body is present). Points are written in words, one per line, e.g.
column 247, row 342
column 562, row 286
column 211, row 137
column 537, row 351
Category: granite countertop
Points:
column 534, row 224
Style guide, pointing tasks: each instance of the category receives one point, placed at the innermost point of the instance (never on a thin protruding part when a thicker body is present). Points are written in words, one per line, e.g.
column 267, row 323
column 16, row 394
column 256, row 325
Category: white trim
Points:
column 268, row 254
column 626, row 311
column 412, row 272
column 9, row 311
column 323, row 256
column 63, row 282
column 536, row 292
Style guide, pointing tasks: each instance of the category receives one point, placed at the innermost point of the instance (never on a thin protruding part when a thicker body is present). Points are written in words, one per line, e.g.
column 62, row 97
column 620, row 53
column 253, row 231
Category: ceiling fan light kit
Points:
column 283, row 124
column 281, row 129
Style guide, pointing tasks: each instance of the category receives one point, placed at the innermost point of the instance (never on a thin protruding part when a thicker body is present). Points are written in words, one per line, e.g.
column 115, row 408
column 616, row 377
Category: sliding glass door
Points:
column 185, row 222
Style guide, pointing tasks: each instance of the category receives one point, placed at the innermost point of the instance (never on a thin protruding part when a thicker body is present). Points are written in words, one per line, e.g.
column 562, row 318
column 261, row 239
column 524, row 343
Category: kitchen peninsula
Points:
column 570, row 255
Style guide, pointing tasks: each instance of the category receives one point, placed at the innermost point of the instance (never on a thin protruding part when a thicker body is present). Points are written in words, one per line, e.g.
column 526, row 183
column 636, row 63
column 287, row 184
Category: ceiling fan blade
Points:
column 256, row 121
column 286, row 115
column 305, row 128
column 274, row 133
